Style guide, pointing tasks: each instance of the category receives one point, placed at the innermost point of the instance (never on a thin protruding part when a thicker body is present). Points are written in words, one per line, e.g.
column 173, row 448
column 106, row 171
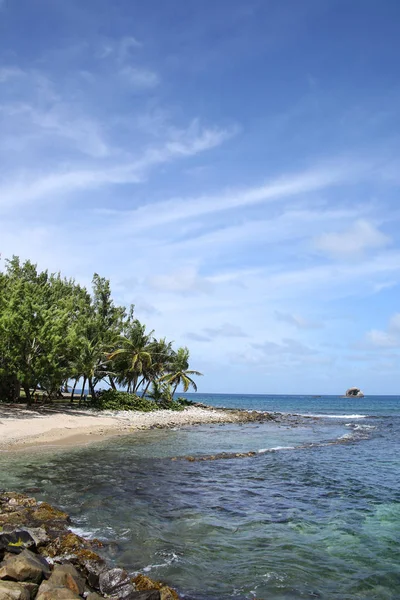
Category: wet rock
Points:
column 46, row 512
column 31, row 587
column 25, row 567
column 15, row 541
column 116, row 582
column 10, row 590
column 93, row 570
column 67, row 576
column 146, row 595
column 47, row 592
column 144, row 583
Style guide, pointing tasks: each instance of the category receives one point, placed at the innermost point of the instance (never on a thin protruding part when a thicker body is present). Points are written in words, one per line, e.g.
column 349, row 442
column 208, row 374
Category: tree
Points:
column 133, row 358
column 180, row 374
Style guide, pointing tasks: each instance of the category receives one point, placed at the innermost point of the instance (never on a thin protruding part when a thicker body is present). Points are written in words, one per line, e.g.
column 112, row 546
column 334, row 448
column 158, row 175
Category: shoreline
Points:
column 48, row 427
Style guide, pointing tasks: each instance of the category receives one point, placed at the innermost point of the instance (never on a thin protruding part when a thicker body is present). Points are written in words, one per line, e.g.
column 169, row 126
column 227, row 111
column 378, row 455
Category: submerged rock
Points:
column 76, row 570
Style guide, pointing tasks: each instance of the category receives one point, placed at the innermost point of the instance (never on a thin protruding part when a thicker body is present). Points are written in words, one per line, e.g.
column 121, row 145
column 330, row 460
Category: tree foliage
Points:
column 53, row 331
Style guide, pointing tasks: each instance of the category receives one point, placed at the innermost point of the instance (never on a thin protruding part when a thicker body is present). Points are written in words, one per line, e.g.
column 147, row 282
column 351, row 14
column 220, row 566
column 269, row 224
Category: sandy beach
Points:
column 21, row 427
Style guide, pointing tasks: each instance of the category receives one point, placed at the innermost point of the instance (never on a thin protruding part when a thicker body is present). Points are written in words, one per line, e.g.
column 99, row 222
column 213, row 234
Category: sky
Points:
column 232, row 166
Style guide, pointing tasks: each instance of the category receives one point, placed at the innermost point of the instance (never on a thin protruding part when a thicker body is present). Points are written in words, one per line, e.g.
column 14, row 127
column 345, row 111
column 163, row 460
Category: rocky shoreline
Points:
column 42, row 559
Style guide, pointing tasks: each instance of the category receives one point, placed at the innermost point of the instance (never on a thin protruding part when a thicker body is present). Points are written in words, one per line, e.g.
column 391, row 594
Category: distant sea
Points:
column 315, row 514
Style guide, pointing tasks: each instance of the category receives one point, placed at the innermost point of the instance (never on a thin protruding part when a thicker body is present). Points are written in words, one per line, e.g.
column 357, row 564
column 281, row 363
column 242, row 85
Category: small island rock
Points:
column 354, row 392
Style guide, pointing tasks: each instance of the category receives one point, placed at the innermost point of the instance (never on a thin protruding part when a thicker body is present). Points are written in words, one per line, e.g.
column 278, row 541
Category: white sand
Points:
column 23, row 428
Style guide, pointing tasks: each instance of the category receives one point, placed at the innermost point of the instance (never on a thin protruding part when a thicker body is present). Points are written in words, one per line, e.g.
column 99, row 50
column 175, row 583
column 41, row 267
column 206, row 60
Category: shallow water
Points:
column 315, row 514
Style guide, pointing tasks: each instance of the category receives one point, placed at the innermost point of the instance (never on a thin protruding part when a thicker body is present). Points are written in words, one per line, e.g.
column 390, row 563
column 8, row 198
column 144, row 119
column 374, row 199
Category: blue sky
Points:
column 232, row 166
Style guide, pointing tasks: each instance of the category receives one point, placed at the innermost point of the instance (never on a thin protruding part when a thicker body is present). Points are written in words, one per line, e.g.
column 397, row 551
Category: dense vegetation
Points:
column 53, row 331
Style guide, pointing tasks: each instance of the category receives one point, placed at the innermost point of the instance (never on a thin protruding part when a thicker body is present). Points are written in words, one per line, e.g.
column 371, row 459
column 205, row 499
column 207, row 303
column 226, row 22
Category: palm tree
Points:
column 89, row 364
column 133, row 358
column 179, row 372
column 162, row 356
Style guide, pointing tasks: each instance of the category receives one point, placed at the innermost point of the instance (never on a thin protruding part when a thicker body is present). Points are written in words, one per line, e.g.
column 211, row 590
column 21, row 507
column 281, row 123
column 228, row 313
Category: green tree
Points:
column 180, row 374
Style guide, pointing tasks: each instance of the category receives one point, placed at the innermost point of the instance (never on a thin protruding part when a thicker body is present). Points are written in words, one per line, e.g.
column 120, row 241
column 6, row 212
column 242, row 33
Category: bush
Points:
column 115, row 400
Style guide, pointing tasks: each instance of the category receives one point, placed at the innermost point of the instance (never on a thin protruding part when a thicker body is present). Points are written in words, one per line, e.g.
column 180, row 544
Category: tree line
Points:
column 54, row 332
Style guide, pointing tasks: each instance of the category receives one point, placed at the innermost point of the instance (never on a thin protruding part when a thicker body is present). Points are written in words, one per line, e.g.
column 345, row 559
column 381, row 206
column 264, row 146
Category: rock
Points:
column 144, row 583
column 46, row 512
column 25, row 567
column 146, row 595
column 10, row 590
column 38, row 534
column 15, row 541
column 354, row 393
column 93, row 596
column 31, row 587
column 93, row 569
column 67, row 576
column 47, row 592
column 116, row 582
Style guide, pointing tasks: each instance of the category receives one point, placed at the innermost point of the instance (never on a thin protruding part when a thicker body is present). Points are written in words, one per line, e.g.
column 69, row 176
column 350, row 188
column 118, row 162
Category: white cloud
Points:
column 377, row 338
column 381, row 339
column 184, row 281
column 189, row 208
column 297, row 320
column 27, row 187
column 139, row 77
column 226, row 330
column 353, row 242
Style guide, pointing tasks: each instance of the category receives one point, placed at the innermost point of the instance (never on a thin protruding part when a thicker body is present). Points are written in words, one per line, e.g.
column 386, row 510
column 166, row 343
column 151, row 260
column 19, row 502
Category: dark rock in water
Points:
column 26, row 566
column 82, row 571
column 93, row 569
column 10, row 590
column 147, row 595
column 116, row 582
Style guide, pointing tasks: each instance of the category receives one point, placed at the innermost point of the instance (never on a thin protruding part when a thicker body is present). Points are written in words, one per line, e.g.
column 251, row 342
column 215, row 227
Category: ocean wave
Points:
column 275, row 449
column 335, row 416
column 358, row 427
column 170, row 557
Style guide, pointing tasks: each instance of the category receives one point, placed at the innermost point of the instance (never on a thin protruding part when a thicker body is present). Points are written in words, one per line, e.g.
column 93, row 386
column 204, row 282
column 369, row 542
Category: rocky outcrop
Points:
column 354, row 392
column 41, row 559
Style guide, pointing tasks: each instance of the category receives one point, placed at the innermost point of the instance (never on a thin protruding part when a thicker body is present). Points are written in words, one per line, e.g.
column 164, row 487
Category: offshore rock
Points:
column 26, row 566
column 354, row 392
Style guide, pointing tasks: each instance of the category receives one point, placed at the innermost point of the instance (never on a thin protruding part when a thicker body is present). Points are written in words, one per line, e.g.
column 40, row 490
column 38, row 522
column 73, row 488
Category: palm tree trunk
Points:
column 82, row 391
column 73, row 391
column 175, row 388
column 91, row 389
column 27, row 394
column 111, row 380
column 146, row 388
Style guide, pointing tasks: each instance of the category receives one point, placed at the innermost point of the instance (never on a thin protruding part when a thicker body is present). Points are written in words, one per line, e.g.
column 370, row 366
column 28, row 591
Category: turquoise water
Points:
column 315, row 514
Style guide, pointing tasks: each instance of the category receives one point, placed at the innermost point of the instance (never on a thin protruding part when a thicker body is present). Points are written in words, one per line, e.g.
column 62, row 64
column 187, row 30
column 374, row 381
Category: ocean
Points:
column 314, row 514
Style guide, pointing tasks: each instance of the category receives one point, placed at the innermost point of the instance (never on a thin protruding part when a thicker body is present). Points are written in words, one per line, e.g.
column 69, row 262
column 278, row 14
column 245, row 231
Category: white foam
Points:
column 263, row 450
column 335, row 416
column 169, row 560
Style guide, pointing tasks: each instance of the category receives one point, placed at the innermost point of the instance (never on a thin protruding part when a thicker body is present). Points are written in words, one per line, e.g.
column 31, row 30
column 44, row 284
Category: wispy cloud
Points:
column 140, row 77
column 352, row 242
column 297, row 320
